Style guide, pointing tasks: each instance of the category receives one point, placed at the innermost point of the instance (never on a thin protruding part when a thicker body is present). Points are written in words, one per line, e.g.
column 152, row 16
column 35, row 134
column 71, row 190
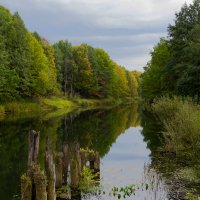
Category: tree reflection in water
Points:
column 72, row 141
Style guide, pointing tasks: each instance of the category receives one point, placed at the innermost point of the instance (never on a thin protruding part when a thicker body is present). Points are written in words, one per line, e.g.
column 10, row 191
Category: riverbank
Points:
column 180, row 121
column 55, row 104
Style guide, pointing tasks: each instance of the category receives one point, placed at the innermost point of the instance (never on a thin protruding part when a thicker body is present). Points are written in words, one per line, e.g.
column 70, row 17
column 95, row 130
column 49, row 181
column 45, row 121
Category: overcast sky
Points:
column 126, row 29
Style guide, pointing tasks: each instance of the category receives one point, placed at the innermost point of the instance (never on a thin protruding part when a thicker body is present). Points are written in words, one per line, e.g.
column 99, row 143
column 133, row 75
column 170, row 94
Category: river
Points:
column 115, row 135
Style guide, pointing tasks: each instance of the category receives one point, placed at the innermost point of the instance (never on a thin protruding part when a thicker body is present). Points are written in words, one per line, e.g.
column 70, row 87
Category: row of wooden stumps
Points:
column 69, row 165
column 62, row 168
column 35, row 184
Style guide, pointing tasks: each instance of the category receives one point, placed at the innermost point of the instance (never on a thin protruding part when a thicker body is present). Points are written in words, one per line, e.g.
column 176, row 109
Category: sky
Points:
column 126, row 29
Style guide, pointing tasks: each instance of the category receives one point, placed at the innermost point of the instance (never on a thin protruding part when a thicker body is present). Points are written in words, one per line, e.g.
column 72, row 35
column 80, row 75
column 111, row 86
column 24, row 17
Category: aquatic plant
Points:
column 124, row 191
column 89, row 180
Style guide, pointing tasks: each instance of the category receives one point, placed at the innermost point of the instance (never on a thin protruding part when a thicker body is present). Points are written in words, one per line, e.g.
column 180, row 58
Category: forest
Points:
column 32, row 67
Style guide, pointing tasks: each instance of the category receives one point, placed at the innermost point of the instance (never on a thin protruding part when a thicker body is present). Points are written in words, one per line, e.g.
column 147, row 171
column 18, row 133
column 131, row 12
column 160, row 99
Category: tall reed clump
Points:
column 181, row 121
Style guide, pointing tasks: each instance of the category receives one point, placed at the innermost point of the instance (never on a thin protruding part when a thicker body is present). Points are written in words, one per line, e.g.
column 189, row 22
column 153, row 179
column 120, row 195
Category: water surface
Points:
column 115, row 134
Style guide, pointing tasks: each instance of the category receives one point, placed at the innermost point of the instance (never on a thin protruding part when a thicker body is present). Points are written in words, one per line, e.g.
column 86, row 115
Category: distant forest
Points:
column 31, row 67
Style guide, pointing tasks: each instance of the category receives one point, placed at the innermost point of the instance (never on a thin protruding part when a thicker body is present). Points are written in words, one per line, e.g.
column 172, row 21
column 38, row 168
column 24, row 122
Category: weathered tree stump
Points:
column 26, row 188
column 33, row 147
column 40, row 181
column 75, row 166
column 96, row 162
column 65, row 162
column 28, row 191
column 59, row 173
column 50, row 171
column 93, row 158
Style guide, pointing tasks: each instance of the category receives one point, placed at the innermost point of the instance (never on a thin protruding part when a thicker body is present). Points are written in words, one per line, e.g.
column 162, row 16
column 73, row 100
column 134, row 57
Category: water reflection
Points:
column 70, row 142
column 172, row 171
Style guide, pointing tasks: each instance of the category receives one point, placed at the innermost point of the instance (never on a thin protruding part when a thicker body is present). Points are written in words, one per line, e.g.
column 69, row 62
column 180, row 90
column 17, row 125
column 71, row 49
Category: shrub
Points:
column 181, row 121
column 88, row 180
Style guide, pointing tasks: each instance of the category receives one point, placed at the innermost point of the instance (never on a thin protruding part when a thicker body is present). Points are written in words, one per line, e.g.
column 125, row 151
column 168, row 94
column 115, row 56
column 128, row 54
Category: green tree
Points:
column 92, row 55
column 181, row 44
column 19, row 54
column 66, row 68
column 122, row 81
column 153, row 82
column 188, row 83
column 38, row 78
column 8, row 78
column 105, row 73
column 133, row 84
column 84, row 77
column 49, row 53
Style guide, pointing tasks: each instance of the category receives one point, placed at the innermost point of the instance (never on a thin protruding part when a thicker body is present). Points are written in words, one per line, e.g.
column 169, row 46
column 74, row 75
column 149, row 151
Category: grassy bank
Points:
column 53, row 104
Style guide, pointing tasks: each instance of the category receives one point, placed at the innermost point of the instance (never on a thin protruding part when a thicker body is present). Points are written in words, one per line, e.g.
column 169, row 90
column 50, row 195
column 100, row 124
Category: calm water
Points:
column 116, row 135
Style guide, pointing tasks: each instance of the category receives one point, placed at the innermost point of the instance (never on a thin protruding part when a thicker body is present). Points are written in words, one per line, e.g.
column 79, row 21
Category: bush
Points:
column 88, row 180
column 181, row 121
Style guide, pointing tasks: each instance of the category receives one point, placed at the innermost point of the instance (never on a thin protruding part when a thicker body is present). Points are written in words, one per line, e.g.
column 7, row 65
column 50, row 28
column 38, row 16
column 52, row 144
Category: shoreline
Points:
column 55, row 106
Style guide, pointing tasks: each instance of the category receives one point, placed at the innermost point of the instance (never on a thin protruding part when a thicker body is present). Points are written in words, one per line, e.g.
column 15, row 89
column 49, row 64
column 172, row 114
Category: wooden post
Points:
column 75, row 166
column 40, row 185
column 50, row 171
column 59, row 174
column 96, row 162
column 83, row 159
column 33, row 147
column 26, row 188
column 65, row 162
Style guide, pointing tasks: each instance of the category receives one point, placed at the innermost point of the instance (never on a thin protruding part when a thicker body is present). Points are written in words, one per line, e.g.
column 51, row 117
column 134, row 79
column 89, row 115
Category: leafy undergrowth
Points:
column 89, row 180
column 181, row 122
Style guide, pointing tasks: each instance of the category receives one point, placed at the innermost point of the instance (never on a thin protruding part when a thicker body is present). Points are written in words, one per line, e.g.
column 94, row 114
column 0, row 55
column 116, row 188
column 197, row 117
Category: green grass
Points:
column 39, row 105
column 60, row 105
column 96, row 102
column 57, row 103
column 19, row 107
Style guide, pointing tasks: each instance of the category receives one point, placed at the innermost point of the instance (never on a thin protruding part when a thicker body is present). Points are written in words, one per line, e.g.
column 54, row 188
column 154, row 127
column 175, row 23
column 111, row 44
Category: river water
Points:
column 116, row 135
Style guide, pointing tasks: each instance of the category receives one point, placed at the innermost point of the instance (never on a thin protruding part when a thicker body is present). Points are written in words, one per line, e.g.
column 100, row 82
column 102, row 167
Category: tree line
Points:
column 31, row 67
column 174, row 68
